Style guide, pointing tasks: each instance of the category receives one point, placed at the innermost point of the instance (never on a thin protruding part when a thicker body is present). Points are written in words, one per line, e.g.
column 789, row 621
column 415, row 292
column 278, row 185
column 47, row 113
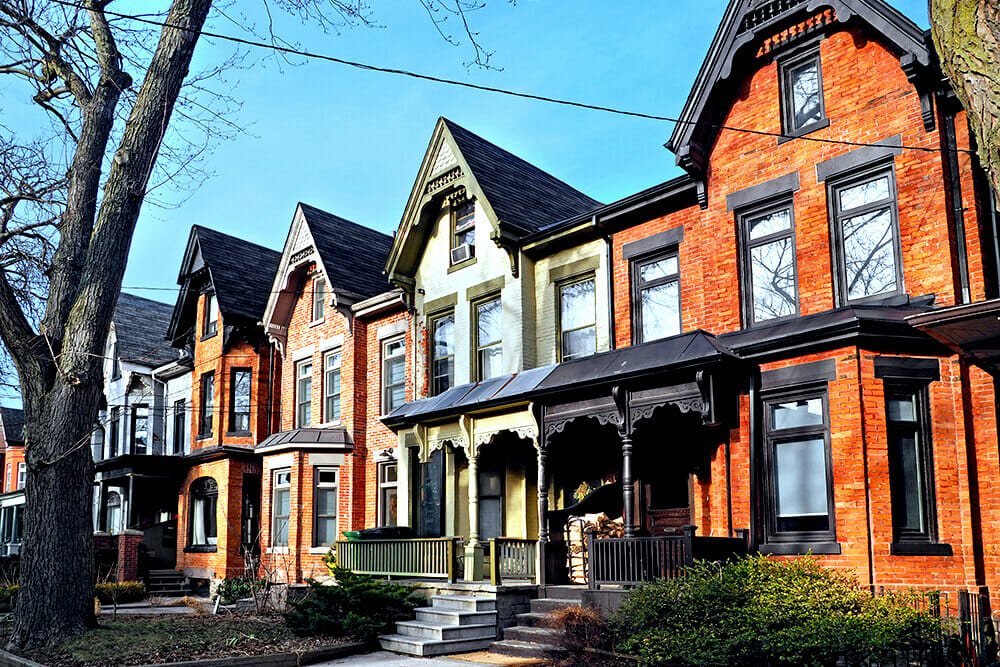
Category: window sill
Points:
column 331, row 424
column 800, row 548
column 207, row 336
column 239, row 434
column 462, row 265
column 316, row 323
column 204, row 436
column 202, row 549
column 319, row 550
column 920, row 549
column 277, row 550
column 802, row 131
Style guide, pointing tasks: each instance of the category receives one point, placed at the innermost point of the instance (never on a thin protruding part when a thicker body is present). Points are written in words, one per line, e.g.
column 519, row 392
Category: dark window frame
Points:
column 203, row 488
column 180, row 426
column 560, row 342
column 206, row 407
column 232, row 401
column 134, row 419
column 836, row 215
column 432, row 322
column 275, row 487
column 786, row 95
column 299, row 403
column 210, row 327
column 637, row 286
column 746, row 246
column 329, row 418
column 922, row 427
column 317, row 485
column 477, row 370
column 116, row 364
column 114, row 436
column 386, row 359
column 794, row 542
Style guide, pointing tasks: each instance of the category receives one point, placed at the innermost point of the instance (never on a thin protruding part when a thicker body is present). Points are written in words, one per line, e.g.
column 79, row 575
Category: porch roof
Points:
column 336, row 438
column 692, row 349
column 969, row 329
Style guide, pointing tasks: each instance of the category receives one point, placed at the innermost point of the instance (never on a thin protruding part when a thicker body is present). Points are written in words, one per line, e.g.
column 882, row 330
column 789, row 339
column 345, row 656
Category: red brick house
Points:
column 776, row 375
column 235, row 387
column 14, row 475
column 343, row 337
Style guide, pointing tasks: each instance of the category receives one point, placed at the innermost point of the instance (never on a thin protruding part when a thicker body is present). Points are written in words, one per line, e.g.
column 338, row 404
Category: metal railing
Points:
column 512, row 558
column 622, row 561
column 429, row 557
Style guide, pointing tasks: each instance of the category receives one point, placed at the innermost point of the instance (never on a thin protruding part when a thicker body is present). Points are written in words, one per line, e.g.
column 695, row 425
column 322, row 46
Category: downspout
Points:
column 957, row 210
column 270, row 388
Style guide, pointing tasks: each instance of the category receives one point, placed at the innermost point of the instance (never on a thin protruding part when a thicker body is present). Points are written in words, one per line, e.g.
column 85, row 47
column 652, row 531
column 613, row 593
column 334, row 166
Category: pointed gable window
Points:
column 463, row 238
column 802, row 107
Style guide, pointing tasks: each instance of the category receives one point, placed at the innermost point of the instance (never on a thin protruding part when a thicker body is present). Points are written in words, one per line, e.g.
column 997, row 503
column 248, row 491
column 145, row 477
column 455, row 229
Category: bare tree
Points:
column 70, row 196
column 967, row 38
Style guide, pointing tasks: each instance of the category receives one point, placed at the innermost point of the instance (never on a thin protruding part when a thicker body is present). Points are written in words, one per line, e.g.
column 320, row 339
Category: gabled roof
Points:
column 520, row 193
column 518, row 197
column 744, row 25
column 239, row 271
column 353, row 255
column 141, row 330
column 13, row 425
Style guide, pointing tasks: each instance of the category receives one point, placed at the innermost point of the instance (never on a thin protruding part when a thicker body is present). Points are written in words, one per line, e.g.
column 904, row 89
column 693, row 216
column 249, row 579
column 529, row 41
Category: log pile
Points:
column 576, row 540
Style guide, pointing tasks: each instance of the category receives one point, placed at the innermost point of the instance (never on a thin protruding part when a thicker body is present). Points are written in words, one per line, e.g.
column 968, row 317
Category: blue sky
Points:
column 350, row 141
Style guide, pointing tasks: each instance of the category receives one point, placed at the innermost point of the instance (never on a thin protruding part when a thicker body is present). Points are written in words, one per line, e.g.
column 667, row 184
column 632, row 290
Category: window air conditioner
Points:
column 462, row 253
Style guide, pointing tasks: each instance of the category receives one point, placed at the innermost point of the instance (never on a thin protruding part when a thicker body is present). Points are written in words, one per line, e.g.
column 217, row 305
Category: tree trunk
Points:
column 967, row 39
column 61, row 372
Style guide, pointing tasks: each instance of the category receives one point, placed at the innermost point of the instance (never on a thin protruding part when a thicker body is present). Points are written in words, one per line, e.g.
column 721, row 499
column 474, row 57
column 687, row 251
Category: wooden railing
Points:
column 433, row 557
column 511, row 558
column 625, row 561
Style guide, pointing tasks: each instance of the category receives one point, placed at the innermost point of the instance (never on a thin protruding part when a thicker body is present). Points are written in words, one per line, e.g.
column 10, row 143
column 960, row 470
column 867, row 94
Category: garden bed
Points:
column 145, row 640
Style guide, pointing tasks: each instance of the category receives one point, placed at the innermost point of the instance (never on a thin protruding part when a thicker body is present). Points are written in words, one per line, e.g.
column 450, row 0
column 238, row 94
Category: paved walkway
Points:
column 386, row 659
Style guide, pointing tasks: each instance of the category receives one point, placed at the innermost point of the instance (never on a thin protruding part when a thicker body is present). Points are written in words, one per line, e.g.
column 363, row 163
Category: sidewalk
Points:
column 386, row 659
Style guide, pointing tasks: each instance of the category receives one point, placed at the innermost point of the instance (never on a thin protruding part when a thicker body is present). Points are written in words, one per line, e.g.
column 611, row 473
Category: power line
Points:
column 500, row 91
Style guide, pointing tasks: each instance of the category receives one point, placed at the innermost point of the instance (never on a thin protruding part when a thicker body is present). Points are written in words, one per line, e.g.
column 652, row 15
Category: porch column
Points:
column 473, row 550
column 543, row 513
column 628, row 490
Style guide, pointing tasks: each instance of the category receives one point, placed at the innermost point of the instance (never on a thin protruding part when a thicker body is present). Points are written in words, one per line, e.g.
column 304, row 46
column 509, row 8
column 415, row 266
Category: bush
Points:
column 581, row 628
column 356, row 605
column 238, row 588
column 755, row 610
column 120, row 592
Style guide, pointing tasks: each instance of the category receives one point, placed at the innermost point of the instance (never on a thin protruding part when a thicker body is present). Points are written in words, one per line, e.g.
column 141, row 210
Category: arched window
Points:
column 202, row 527
column 113, row 513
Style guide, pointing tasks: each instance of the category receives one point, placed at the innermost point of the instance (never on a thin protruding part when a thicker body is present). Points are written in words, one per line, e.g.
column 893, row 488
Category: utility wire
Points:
column 493, row 89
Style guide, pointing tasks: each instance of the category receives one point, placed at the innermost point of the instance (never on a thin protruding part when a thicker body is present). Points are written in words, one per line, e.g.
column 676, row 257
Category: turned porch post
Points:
column 473, row 550
column 628, row 488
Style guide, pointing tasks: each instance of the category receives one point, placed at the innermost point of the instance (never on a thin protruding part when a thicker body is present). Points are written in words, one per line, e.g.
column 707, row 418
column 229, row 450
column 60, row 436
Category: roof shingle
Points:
column 242, row 272
column 13, row 425
column 353, row 255
column 141, row 330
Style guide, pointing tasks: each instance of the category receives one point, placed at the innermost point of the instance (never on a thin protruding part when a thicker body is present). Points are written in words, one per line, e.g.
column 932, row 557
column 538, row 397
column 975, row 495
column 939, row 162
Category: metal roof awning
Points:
column 972, row 330
column 327, row 439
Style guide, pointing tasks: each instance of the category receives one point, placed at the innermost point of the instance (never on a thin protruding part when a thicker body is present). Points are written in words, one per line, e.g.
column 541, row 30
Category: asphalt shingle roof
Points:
column 141, row 329
column 242, row 272
column 353, row 255
column 519, row 192
column 13, row 425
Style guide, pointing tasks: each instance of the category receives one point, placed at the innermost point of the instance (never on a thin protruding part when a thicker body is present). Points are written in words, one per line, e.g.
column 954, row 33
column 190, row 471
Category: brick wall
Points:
column 13, row 456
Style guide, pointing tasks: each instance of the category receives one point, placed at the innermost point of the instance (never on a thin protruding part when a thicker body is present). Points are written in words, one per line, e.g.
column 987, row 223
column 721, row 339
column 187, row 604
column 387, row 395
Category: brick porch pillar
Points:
column 128, row 554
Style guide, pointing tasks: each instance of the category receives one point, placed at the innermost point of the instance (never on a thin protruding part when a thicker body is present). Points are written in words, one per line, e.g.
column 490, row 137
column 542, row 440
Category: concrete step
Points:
column 171, row 573
column 565, row 593
column 529, row 634
column 422, row 646
column 455, row 617
column 532, row 619
column 521, row 649
column 463, row 603
column 437, row 631
column 169, row 593
column 545, row 605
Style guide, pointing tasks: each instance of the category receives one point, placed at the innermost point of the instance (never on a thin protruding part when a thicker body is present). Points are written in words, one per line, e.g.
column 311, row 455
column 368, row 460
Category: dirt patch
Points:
column 146, row 640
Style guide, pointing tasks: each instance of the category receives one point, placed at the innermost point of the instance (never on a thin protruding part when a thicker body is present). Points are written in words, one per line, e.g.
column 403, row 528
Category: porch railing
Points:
column 511, row 558
column 429, row 557
column 624, row 561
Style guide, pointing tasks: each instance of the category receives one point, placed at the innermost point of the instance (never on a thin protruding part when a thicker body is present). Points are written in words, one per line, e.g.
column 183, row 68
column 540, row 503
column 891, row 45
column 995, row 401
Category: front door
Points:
column 491, row 483
column 431, row 496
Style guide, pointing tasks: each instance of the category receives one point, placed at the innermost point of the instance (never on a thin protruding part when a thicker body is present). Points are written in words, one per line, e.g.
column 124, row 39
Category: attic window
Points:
column 463, row 238
column 318, row 297
column 802, row 107
column 210, row 324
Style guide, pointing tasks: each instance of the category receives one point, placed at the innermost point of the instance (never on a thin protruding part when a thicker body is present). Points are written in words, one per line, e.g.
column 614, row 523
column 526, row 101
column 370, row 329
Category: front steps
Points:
column 530, row 638
column 452, row 624
column 167, row 583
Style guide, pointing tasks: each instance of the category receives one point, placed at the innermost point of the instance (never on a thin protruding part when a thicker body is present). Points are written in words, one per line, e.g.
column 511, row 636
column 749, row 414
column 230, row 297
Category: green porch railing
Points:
column 426, row 557
column 511, row 558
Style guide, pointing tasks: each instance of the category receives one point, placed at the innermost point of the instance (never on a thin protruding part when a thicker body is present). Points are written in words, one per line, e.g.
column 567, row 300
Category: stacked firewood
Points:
column 576, row 540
